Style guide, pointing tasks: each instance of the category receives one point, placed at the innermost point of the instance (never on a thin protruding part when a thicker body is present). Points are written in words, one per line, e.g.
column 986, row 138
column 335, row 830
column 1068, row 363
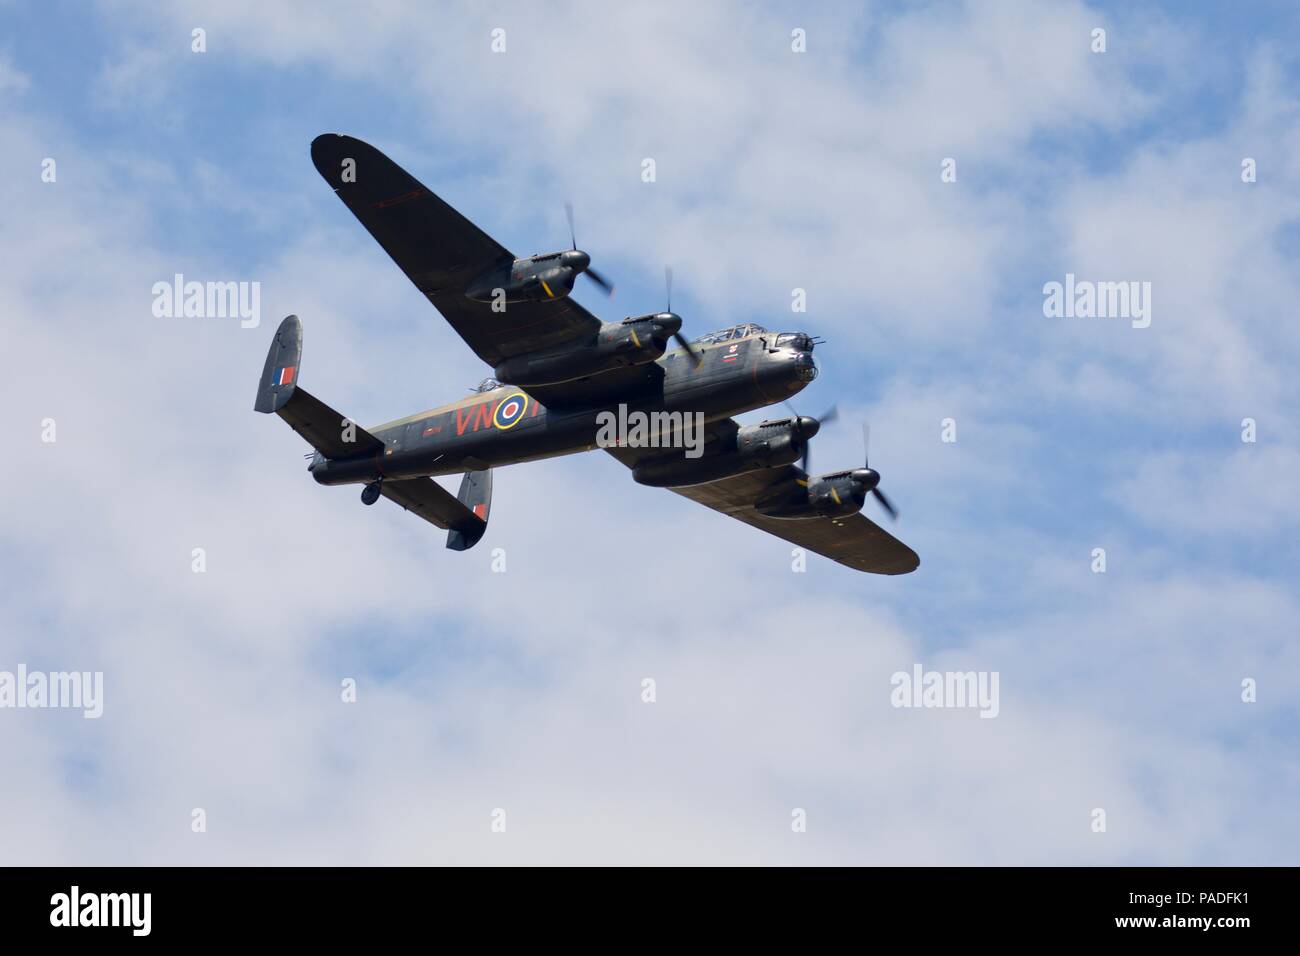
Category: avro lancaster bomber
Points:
column 558, row 373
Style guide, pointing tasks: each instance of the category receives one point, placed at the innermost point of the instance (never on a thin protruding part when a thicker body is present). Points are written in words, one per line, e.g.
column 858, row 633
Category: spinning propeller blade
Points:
column 681, row 339
column 573, row 233
column 875, row 490
column 885, row 503
column 602, row 283
column 600, row 280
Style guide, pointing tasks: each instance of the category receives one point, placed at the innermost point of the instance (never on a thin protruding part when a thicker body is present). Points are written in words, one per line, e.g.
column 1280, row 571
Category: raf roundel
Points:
column 510, row 411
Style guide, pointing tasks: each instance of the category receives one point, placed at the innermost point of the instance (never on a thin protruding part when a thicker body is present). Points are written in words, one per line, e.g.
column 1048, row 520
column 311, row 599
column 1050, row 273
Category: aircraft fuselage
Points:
column 506, row 425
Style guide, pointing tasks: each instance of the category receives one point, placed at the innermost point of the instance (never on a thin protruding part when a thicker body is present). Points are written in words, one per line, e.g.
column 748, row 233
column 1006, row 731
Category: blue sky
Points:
column 521, row 690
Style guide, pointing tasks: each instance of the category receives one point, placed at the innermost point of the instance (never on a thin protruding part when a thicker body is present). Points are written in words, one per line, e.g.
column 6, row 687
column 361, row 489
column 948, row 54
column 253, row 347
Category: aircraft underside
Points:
column 567, row 382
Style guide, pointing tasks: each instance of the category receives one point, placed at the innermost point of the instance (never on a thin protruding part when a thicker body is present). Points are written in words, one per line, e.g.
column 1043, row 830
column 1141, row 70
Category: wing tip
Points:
column 328, row 149
column 904, row 565
column 325, row 149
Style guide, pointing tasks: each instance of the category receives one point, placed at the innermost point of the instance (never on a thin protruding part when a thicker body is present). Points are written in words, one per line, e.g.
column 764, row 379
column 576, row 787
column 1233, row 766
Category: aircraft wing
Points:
column 441, row 252
column 854, row 541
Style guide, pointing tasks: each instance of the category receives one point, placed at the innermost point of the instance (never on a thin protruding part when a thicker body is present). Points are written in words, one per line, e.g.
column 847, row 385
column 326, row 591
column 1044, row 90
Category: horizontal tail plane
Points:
column 336, row 437
column 329, row 432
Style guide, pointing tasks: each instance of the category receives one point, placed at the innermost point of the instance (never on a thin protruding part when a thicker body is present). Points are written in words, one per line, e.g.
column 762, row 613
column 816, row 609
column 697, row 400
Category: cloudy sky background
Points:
column 522, row 690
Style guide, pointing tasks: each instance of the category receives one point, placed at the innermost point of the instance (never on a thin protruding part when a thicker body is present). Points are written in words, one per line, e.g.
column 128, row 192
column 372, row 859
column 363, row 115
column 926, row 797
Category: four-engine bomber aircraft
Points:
column 557, row 368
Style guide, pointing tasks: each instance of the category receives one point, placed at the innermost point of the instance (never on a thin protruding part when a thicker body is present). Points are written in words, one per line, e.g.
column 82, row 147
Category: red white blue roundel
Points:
column 510, row 411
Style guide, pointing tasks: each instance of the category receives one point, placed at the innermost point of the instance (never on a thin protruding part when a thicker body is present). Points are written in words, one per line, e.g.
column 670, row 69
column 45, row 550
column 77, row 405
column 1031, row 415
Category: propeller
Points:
column 805, row 428
column 870, row 478
column 681, row 339
column 582, row 262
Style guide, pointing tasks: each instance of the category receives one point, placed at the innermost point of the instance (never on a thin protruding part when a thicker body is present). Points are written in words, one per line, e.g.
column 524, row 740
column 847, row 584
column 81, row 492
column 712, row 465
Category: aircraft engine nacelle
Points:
column 634, row 341
column 533, row 279
column 830, row 496
column 765, row 445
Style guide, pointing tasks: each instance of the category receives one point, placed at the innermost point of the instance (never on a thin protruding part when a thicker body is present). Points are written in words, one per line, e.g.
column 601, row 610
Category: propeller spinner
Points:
column 805, row 428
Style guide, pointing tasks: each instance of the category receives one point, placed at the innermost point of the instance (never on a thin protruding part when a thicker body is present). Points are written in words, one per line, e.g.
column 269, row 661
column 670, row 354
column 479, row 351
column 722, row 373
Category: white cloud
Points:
column 1236, row 493
column 12, row 80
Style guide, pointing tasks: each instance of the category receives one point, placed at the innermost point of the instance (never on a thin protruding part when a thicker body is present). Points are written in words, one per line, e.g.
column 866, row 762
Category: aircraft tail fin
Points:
column 280, row 373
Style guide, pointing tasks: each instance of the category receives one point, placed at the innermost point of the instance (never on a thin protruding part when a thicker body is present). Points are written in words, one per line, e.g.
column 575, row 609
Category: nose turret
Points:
column 804, row 366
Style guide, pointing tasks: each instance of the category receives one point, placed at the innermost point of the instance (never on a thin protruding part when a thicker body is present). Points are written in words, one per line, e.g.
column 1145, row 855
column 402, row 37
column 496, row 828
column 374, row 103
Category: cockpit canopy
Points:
column 735, row 332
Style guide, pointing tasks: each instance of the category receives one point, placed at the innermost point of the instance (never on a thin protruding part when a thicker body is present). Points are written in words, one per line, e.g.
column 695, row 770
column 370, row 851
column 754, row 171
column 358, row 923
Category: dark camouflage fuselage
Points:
column 731, row 377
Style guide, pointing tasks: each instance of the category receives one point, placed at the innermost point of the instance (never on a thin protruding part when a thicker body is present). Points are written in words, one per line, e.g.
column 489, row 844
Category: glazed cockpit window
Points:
column 735, row 332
